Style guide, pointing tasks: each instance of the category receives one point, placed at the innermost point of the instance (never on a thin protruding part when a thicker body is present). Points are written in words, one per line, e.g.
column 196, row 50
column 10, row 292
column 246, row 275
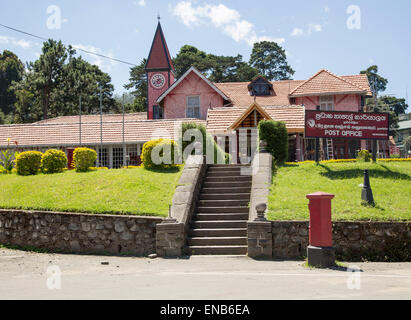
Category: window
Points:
column 117, row 157
column 157, row 112
column 327, row 103
column 193, row 107
column 261, row 89
column 103, row 157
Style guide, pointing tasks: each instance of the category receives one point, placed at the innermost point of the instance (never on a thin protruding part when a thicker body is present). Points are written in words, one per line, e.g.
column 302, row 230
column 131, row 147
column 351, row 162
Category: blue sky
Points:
column 314, row 33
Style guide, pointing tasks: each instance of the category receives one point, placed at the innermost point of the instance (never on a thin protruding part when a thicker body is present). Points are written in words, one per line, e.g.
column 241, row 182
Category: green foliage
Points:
column 28, row 163
column 165, row 149
column 270, row 60
column 51, row 86
column 6, row 161
column 275, row 134
column 53, row 161
column 395, row 156
column 364, row 156
column 377, row 83
column 208, row 142
column 138, row 83
column 84, row 159
column 217, row 68
column 11, row 69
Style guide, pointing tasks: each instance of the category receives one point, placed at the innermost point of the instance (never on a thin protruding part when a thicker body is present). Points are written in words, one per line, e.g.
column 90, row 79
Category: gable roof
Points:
column 324, row 82
column 159, row 57
column 198, row 73
column 240, row 96
column 259, row 79
column 219, row 120
column 251, row 108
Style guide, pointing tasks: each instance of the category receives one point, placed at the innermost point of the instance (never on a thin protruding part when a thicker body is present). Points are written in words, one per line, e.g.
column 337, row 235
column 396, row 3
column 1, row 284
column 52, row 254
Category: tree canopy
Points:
column 52, row 85
column 378, row 83
column 270, row 59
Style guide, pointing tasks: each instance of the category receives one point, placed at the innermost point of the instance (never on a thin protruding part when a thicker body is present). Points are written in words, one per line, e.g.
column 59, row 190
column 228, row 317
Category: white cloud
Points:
column 299, row 32
column 228, row 20
column 141, row 3
column 326, row 9
column 103, row 63
column 15, row 42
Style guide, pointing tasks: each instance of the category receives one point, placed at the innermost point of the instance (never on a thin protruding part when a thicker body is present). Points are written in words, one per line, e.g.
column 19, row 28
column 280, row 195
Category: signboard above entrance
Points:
column 346, row 125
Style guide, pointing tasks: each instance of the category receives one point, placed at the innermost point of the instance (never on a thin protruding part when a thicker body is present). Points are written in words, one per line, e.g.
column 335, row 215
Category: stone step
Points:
column 218, row 232
column 217, row 250
column 225, row 190
column 217, row 241
column 229, row 179
column 223, row 210
column 236, row 184
column 220, row 216
column 230, row 166
column 219, row 224
column 226, row 196
column 223, row 203
column 226, row 174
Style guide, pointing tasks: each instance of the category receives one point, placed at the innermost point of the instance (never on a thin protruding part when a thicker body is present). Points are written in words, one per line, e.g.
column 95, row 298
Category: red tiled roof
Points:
column 220, row 119
column 159, row 57
column 67, row 134
column 360, row 80
column 240, row 96
column 96, row 118
column 325, row 82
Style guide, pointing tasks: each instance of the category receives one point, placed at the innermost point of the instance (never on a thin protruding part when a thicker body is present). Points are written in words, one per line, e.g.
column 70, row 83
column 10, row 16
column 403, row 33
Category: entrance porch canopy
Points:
column 228, row 119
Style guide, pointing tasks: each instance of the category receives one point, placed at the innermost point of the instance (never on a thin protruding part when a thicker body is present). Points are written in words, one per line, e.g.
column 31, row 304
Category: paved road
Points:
column 24, row 275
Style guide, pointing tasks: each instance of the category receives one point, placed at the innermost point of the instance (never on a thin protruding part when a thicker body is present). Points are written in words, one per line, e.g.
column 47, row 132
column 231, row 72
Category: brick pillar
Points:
column 320, row 252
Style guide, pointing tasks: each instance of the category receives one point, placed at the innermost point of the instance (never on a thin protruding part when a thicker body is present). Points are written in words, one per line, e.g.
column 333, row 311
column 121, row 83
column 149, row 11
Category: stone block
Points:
column 321, row 256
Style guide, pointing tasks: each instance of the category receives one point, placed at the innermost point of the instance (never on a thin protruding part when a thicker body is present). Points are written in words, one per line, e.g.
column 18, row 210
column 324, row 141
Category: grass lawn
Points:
column 123, row 191
column 390, row 183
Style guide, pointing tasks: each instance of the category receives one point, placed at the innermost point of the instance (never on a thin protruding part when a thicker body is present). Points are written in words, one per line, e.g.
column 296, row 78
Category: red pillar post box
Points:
column 320, row 252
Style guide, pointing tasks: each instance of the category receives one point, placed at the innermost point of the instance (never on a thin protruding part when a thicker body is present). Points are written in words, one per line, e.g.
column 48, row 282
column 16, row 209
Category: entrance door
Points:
column 340, row 149
column 70, row 164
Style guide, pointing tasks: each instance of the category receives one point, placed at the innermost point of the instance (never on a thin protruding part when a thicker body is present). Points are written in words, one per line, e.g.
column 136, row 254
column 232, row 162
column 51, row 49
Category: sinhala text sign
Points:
column 346, row 125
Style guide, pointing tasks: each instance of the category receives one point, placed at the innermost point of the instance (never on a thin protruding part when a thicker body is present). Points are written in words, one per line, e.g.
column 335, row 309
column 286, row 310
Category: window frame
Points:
column 327, row 103
column 188, row 106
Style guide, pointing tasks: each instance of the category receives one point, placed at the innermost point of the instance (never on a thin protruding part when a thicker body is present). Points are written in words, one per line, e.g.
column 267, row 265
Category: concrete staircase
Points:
column 219, row 225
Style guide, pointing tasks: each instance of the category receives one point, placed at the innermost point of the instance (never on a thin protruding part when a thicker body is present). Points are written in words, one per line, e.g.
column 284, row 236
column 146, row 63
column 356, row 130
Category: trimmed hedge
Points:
column 275, row 134
column 28, row 163
column 160, row 150
column 84, row 159
column 208, row 142
column 53, row 161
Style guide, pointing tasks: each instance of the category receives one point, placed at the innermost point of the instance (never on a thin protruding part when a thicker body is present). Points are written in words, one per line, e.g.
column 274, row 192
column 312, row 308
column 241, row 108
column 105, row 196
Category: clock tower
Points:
column 160, row 73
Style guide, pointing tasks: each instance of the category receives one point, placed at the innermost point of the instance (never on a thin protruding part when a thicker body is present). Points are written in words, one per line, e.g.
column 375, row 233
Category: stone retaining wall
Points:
column 353, row 241
column 79, row 233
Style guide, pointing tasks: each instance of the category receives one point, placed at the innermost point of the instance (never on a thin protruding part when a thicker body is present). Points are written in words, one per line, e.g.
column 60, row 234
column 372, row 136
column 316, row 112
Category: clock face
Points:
column 158, row 81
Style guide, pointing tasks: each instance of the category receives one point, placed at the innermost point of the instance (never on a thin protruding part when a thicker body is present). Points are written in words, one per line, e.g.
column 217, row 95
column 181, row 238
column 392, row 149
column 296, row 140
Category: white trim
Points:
column 192, row 69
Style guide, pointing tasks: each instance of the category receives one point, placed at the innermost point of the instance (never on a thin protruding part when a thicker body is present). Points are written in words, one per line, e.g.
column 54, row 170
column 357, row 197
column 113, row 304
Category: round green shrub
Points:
column 165, row 150
column 364, row 156
column 53, row 161
column 84, row 159
column 28, row 163
column 275, row 134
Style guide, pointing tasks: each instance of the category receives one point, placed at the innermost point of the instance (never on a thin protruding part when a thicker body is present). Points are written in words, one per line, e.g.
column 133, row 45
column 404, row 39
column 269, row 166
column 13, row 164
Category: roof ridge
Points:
column 330, row 73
